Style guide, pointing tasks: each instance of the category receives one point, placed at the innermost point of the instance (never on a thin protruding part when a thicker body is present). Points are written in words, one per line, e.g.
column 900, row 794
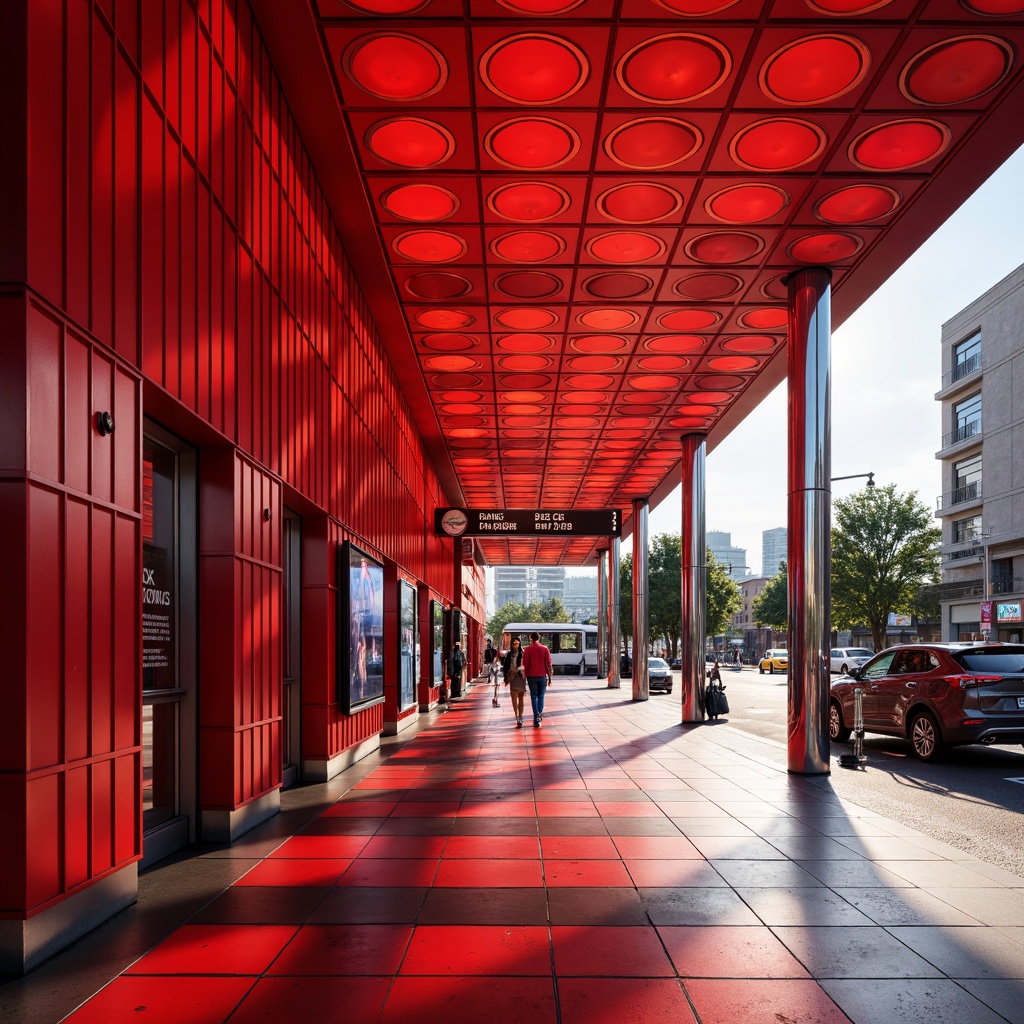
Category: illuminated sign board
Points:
column 1008, row 612
column 524, row 522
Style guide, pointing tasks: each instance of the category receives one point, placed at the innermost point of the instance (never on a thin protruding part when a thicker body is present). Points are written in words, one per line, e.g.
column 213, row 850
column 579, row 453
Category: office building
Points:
column 773, row 550
column 733, row 558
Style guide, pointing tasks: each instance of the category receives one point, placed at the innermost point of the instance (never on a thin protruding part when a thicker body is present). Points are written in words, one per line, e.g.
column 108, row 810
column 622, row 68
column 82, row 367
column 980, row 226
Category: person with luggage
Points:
column 514, row 678
column 715, row 701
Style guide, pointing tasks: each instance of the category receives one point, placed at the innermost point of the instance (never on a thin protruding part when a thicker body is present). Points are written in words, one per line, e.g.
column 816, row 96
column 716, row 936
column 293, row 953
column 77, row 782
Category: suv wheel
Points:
column 926, row 737
column 837, row 732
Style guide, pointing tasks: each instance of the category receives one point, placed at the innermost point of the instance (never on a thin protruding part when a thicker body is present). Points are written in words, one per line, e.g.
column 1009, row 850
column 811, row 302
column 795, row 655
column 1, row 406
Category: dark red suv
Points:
column 936, row 695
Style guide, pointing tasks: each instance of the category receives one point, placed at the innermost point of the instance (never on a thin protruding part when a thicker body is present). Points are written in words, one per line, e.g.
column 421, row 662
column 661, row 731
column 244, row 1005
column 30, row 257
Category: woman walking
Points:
column 514, row 678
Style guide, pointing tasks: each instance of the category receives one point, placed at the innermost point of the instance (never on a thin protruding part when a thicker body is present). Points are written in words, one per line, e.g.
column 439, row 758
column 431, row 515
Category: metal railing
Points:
column 960, row 591
column 969, row 492
column 962, row 433
column 962, row 369
column 962, row 554
column 1007, row 585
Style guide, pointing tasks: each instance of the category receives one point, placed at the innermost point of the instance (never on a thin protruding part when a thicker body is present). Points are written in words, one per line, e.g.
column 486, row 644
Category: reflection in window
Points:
column 159, row 763
column 967, row 356
column 967, row 415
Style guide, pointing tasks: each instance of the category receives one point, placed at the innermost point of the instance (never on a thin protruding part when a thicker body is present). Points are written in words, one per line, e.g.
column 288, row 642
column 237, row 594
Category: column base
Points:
column 324, row 771
column 218, row 826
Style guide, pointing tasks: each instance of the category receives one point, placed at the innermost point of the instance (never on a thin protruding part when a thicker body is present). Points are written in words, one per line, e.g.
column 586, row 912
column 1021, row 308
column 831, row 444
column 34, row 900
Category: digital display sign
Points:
column 524, row 522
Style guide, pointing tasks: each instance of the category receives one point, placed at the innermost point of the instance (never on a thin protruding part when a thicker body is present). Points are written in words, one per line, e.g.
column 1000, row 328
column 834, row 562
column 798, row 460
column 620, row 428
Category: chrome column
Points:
column 641, row 602
column 809, row 546
column 614, row 639
column 602, row 613
column 694, row 577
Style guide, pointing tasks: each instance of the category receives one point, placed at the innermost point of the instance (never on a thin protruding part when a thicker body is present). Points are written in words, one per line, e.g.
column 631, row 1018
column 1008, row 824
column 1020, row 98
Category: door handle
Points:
column 912, row 683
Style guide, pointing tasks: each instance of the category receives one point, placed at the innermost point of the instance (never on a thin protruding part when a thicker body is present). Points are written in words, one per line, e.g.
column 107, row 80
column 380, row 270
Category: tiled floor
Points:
column 611, row 866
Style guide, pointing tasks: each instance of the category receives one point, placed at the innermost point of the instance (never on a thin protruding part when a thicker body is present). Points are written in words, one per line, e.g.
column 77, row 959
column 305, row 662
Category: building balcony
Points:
column 962, row 555
column 1007, row 585
column 969, row 494
column 963, row 375
column 963, row 437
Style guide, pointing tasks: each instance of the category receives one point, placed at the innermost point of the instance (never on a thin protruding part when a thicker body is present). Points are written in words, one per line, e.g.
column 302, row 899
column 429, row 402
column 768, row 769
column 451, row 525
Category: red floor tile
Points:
column 560, row 784
column 426, row 809
column 567, row 809
column 388, row 871
column 275, row 1000
column 360, row 809
column 163, row 1001
column 609, row 952
column 494, row 1000
column 295, row 872
column 416, row 847
column 493, row 874
column 497, row 809
column 322, row 847
column 216, row 949
column 754, row 1002
column 343, row 949
column 627, row 809
column 578, row 848
column 482, row 847
column 720, row 952
column 478, row 949
column 622, row 1001
column 656, row 848
column 560, row 873
column 378, row 783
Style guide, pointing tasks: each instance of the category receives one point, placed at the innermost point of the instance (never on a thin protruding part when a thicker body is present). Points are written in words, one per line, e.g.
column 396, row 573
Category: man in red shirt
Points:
column 537, row 668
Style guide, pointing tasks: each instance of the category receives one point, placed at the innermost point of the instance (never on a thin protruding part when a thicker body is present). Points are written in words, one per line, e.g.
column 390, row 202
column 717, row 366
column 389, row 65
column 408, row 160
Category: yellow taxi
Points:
column 776, row 660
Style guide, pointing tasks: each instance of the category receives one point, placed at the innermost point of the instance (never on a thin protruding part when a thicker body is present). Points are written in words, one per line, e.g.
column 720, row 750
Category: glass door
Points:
column 291, row 648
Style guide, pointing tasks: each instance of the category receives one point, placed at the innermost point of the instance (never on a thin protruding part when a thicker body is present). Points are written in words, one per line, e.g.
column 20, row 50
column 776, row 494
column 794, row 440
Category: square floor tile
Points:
column 854, row 953
column 274, row 1000
column 995, row 907
column 342, row 949
column 716, row 952
column 502, row 847
column 853, row 874
column 909, row 1002
column 736, row 848
column 321, row 847
column 305, row 872
column 802, row 906
column 656, row 848
column 766, row 873
column 509, row 906
column 578, row 848
column 370, row 905
column 584, row 906
column 166, row 1000
column 623, row 1000
column 517, row 950
column 403, row 847
column 966, row 952
column 594, row 826
column 904, row 906
column 567, row 809
column 612, row 952
column 426, row 809
column 466, row 873
column 1005, row 997
column 756, row 1002
column 498, row 809
column 510, row 1000
column 673, row 873
column 215, row 949
column 359, row 808
column 696, row 907
column 643, row 826
column 387, row 871
column 495, row 827
column 416, row 826
column 627, row 809
column 560, row 873
column 262, row 904
column 342, row 826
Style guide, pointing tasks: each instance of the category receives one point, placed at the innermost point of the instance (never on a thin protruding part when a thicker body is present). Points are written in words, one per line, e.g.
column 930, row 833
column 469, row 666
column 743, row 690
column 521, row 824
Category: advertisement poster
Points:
column 409, row 647
column 361, row 629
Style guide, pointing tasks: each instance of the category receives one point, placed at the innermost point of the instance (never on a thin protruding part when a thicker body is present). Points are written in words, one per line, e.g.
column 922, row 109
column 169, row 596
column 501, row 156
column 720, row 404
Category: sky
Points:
column 886, row 361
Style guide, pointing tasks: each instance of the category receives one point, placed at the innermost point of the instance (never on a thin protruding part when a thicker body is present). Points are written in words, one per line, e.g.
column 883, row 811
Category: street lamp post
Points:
column 984, row 538
column 857, row 476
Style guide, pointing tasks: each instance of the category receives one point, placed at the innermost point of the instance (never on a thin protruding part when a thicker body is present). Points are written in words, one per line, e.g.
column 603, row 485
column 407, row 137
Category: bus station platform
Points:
column 610, row 866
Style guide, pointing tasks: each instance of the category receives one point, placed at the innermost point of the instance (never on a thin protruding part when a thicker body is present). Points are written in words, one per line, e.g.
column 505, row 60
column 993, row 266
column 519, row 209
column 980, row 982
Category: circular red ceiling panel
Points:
column 451, row 363
column 688, row 319
column 534, row 68
column 654, row 382
column 528, row 284
column 652, row 143
column 711, row 397
column 461, row 409
column 643, row 406
column 586, row 398
column 599, row 343
column 420, row 202
column 899, row 145
column 442, row 381
column 443, row 319
column 525, row 343
column 721, row 382
column 857, row 204
column 688, row 423
column 708, row 286
column 844, row 8
column 589, row 381
column 644, row 399
column 747, row 204
column 724, row 247
column 528, row 201
column 750, row 343
column 994, row 8
column 447, row 342
column 660, row 363
column 698, row 410
column 826, row 247
column 471, row 463
column 732, row 363
column 695, row 8
column 777, row 144
column 525, row 396
column 675, row 343
column 956, row 70
column 541, row 6
column 532, row 143
column 625, row 247
column 429, row 246
column 525, row 381
column 525, row 318
column 607, row 319
column 765, row 318
column 592, row 364
column 461, row 396
column 814, row 69
column 776, row 288
column 393, row 66
column 410, row 142
column 674, row 68
column 642, row 202
column 464, row 421
column 617, row 286
column 528, row 246
column 438, row 286
column 528, row 363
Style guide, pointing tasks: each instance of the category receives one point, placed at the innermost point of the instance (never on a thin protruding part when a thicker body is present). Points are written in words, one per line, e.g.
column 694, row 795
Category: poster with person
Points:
column 361, row 632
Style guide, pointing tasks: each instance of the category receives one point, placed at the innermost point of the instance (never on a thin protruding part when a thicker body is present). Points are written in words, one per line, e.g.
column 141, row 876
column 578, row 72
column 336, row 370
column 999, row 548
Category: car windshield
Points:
column 657, row 663
column 993, row 661
column 859, row 652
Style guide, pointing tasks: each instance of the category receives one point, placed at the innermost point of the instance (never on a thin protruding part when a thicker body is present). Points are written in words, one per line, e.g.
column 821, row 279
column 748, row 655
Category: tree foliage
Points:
column 771, row 606
column 537, row 611
column 883, row 550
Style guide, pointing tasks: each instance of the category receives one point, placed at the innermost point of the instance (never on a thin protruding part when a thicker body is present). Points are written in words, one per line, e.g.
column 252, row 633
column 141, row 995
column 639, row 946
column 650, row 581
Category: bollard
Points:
column 857, row 758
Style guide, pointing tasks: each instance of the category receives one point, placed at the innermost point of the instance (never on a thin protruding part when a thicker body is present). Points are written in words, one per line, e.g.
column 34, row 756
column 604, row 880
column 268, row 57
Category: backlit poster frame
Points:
column 360, row 647
column 408, row 645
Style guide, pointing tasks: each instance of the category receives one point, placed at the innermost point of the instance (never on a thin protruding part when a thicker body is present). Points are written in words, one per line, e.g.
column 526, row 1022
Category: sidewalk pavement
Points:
column 610, row 866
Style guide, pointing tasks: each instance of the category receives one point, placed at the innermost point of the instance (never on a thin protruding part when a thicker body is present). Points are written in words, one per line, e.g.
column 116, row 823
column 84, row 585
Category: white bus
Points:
column 573, row 646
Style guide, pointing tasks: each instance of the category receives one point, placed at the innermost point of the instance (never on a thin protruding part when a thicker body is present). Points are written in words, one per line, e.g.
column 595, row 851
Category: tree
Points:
column 771, row 606
column 883, row 549
column 665, row 591
column 723, row 597
column 626, row 597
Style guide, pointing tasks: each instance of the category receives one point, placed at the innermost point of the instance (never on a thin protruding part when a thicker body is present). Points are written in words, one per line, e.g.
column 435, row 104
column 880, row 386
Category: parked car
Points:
column 774, row 660
column 676, row 663
column 625, row 666
column 936, row 695
column 842, row 659
column 659, row 675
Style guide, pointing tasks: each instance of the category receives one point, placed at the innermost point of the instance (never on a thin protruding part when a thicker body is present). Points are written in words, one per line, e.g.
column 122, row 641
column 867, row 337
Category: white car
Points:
column 843, row 659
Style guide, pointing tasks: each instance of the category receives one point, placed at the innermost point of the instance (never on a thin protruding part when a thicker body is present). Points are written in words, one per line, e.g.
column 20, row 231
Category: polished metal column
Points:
column 641, row 602
column 614, row 639
column 602, row 613
column 809, row 546
column 694, row 577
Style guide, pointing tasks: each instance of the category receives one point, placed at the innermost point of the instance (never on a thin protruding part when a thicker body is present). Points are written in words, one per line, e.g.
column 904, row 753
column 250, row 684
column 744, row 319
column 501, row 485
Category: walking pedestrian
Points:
column 537, row 667
column 494, row 677
column 456, row 663
column 514, row 678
